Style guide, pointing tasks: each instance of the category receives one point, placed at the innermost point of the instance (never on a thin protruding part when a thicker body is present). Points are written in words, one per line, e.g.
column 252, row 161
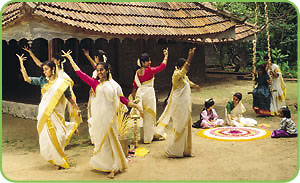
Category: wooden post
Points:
column 50, row 49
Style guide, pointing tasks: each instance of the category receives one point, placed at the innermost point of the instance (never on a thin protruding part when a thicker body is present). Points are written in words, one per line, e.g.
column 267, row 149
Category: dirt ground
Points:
column 261, row 160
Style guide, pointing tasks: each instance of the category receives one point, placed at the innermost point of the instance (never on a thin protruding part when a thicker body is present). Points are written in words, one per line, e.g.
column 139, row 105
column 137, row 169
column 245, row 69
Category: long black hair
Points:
column 50, row 64
column 286, row 112
column 238, row 95
column 263, row 68
column 179, row 64
column 142, row 59
column 208, row 103
column 99, row 54
column 58, row 56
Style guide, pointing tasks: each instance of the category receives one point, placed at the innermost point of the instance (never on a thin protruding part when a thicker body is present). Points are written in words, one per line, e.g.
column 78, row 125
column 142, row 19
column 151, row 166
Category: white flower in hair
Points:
column 138, row 62
column 104, row 58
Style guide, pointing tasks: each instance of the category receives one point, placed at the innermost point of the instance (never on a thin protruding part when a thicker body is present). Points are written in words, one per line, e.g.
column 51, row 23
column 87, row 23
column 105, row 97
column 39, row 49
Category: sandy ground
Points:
column 261, row 160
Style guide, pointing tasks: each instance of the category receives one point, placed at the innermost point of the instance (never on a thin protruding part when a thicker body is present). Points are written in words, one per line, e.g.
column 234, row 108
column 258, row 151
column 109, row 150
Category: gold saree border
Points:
column 49, row 109
column 53, row 137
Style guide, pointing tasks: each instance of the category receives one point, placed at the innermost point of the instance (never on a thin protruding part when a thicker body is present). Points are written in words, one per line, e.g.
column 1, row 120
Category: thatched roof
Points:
column 171, row 20
column 243, row 31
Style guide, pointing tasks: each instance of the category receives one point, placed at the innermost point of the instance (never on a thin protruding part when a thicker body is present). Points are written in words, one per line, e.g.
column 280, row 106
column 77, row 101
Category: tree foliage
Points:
column 282, row 27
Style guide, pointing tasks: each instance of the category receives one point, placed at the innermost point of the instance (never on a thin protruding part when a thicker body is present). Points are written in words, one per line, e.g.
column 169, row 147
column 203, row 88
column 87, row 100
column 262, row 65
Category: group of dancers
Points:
column 105, row 101
column 106, row 98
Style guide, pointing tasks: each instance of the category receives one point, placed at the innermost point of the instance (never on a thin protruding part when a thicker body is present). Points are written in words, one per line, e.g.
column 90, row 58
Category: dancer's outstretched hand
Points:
column 67, row 55
column 85, row 51
column 192, row 51
column 21, row 58
column 26, row 48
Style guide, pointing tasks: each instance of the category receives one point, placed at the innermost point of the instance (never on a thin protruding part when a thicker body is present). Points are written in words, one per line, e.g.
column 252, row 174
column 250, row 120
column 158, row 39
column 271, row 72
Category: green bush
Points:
column 278, row 58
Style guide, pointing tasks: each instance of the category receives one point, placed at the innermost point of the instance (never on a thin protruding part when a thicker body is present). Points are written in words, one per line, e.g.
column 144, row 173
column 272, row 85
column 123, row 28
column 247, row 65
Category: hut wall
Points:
column 122, row 55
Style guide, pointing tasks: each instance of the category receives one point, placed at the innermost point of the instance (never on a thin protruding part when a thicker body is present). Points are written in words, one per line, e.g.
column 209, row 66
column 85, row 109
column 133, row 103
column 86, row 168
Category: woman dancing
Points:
column 108, row 154
column 179, row 108
column 143, row 90
column 54, row 131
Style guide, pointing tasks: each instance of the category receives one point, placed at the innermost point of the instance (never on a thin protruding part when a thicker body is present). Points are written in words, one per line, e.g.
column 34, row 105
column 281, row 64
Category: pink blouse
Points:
column 208, row 116
column 94, row 82
column 149, row 73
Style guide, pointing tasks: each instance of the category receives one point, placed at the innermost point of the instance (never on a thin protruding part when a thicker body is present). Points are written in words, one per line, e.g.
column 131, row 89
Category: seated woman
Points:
column 287, row 125
column 234, row 110
column 262, row 94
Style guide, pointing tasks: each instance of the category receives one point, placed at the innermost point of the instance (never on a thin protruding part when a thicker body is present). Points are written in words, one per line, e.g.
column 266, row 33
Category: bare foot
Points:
column 77, row 132
column 59, row 167
column 111, row 175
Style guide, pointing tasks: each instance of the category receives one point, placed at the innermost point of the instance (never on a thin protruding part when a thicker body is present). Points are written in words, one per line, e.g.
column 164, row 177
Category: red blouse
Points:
column 149, row 73
column 94, row 82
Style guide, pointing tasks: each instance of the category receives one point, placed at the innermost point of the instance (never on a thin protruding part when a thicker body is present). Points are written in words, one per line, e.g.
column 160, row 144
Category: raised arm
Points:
column 189, row 59
column 34, row 58
column 84, row 77
column 186, row 68
column 87, row 55
column 23, row 70
column 163, row 64
column 166, row 54
column 69, row 57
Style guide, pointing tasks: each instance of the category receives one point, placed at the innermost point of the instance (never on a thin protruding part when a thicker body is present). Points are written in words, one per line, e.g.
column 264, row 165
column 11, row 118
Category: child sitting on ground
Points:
column 287, row 126
column 208, row 116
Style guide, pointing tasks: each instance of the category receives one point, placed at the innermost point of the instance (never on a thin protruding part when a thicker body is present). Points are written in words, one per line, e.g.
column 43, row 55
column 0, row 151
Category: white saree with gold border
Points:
column 54, row 131
column 237, row 112
column 91, row 96
column 146, row 95
column 179, row 109
column 74, row 119
column 108, row 154
column 278, row 93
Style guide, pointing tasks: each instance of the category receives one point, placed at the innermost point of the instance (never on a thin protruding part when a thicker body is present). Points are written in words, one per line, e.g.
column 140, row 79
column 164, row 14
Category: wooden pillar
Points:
column 198, row 65
column 50, row 49
column 221, row 59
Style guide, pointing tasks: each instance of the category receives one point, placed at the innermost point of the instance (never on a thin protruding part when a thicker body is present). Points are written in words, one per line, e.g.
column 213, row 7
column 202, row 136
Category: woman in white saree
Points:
column 234, row 110
column 108, row 155
column 279, row 90
column 179, row 110
column 99, row 56
column 143, row 91
column 54, row 131
column 59, row 61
